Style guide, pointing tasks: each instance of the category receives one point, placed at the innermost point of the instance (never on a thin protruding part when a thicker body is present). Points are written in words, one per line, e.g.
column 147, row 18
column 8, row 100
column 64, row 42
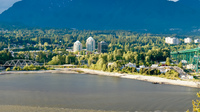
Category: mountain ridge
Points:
column 136, row 15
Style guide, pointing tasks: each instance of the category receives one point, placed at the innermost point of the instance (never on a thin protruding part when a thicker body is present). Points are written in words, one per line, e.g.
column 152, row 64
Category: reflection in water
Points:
column 82, row 91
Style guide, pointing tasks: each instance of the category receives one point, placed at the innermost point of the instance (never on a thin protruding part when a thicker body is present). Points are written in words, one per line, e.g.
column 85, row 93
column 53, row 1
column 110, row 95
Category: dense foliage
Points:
column 29, row 68
column 49, row 46
column 50, row 39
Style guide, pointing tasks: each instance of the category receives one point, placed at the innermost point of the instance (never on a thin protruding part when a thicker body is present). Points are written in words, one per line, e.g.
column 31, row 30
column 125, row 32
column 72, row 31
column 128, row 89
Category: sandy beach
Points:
column 152, row 79
column 62, row 70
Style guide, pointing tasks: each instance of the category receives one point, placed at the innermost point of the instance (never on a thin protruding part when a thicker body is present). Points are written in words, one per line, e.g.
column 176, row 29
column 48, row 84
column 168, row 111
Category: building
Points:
column 187, row 40
column 102, row 47
column 90, row 44
column 197, row 41
column 130, row 65
column 142, row 66
column 77, row 46
column 154, row 65
column 190, row 66
column 173, row 40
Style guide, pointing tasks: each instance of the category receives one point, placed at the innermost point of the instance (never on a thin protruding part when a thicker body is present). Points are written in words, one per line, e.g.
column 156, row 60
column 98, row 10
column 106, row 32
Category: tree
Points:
column 70, row 59
column 8, row 69
column 180, row 65
column 141, row 70
column 26, row 68
column 14, row 68
column 104, row 67
column 100, row 63
column 134, row 69
column 46, row 44
column 196, row 104
column 168, row 61
column 55, row 61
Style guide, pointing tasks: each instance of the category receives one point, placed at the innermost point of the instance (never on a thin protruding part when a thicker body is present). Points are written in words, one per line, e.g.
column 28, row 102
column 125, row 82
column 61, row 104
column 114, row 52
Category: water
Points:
column 82, row 91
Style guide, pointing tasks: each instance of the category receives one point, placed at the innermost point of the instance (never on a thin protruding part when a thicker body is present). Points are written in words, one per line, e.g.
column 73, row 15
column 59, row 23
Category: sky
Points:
column 5, row 4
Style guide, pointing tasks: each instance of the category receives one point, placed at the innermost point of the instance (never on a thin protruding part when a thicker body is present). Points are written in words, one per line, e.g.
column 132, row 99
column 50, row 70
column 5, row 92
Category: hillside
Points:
column 158, row 16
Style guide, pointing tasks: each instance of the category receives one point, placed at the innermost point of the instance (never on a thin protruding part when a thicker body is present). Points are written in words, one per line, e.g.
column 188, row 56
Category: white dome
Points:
column 90, row 38
column 77, row 42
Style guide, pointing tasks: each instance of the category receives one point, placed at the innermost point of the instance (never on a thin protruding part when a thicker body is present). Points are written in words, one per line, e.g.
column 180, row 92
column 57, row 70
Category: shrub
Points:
column 19, row 68
column 8, row 69
column 172, row 74
column 26, row 68
column 134, row 69
column 14, row 68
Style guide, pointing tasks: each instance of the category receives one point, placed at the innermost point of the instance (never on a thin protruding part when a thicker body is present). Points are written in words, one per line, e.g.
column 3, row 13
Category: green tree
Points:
column 141, row 70
column 104, row 67
column 8, row 69
column 180, row 65
column 100, row 63
column 168, row 61
column 14, row 68
column 55, row 61
column 26, row 68
column 196, row 104
column 71, row 59
column 134, row 69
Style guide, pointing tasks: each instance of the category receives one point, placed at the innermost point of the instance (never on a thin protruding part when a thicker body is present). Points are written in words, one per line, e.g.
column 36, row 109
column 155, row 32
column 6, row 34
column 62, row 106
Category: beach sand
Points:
column 152, row 79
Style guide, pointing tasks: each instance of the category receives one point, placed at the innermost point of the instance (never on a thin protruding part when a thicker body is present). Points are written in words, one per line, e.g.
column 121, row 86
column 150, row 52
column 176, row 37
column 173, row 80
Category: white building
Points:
column 90, row 44
column 154, row 65
column 142, row 66
column 187, row 40
column 130, row 65
column 173, row 40
column 190, row 66
column 77, row 46
column 197, row 41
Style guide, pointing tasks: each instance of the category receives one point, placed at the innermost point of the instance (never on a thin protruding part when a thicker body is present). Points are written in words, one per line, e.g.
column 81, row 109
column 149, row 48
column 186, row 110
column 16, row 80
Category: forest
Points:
column 51, row 45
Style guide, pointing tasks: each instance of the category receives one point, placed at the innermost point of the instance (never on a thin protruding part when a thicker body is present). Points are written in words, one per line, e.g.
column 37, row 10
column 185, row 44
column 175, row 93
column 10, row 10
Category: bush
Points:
column 172, row 74
column 8, row 69
column 14, row 68
column 134, row 69
column 19, row 68
column 141, row 71
column 26, row 68
column 180, row 65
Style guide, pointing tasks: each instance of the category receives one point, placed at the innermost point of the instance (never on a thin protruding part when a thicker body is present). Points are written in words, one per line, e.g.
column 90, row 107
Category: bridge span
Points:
column 189, row 56
column 20, row 62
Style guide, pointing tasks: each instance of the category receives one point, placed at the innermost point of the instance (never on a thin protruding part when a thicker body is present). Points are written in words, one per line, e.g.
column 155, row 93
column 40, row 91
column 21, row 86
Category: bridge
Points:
column 20, row 62
column 190, row 56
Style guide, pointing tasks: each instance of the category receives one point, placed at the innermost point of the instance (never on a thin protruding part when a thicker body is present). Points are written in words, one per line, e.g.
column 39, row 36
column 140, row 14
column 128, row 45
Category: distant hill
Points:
column 159, row 16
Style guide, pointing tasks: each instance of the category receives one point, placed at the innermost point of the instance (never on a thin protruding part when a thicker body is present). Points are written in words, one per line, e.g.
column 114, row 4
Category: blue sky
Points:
column 5, row 4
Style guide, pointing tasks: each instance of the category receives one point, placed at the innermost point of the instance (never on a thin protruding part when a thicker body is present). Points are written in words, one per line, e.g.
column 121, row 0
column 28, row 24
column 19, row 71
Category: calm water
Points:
column 82, row 91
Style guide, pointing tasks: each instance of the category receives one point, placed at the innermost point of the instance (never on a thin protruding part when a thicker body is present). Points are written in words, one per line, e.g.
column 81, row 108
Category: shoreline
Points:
column 153, row 79
column 39, row 71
